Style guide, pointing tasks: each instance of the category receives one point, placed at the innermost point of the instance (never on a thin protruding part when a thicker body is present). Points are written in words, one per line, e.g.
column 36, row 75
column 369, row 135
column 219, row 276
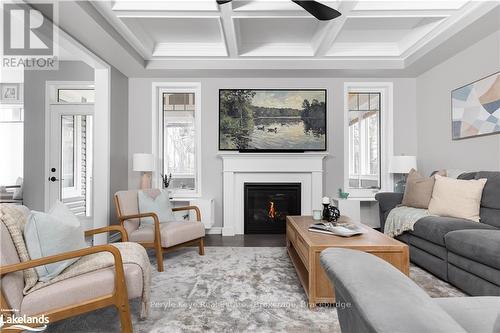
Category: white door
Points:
column 71, row 159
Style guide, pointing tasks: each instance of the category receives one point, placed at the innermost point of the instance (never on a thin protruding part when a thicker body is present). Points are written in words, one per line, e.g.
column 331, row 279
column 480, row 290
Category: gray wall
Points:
column 34, row 133
column 34, row 125
column 118, row 137
column 140, row 113
column 436, row 150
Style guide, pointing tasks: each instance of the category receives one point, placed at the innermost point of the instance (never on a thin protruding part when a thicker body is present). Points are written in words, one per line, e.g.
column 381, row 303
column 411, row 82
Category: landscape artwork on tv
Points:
column 272, row 120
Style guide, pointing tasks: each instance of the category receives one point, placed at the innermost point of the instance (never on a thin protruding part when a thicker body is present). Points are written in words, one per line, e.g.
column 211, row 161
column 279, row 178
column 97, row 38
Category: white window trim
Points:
column 386, row 134
column 157, row 127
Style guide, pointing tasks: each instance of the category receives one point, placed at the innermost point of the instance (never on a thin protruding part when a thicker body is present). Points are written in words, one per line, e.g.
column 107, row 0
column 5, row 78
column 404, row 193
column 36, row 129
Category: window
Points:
column 179, row 132
column 75, row 95
column 11, row 143
column 364, row 140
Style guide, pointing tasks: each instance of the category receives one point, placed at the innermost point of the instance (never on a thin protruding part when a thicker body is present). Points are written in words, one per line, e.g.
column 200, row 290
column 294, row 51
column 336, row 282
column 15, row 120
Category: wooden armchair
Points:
column 73, row 296
column 162, row 237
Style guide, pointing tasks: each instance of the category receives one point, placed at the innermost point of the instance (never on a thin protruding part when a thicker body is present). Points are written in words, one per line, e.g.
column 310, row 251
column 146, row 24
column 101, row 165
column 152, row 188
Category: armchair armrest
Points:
column 386, row 202
column 195, row 208
column 64, row 256
column 110, row 228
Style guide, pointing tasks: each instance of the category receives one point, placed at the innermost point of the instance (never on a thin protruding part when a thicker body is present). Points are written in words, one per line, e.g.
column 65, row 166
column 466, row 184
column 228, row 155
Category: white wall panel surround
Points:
column 140, row 118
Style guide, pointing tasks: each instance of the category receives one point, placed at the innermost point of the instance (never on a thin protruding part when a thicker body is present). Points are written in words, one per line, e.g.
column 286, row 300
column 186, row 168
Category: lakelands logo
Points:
column 24, row 323
column 28, row 35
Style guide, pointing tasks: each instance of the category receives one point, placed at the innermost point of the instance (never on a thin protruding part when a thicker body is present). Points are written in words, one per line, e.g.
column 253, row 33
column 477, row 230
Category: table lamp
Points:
column 144, row 163
column 402, row 165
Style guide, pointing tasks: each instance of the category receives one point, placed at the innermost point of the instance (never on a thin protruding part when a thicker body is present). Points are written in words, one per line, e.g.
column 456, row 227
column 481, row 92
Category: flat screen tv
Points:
column 272, row 120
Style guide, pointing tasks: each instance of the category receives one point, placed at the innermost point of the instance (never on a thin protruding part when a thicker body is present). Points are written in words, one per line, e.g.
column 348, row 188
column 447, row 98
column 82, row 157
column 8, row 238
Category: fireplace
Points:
column 266, row 206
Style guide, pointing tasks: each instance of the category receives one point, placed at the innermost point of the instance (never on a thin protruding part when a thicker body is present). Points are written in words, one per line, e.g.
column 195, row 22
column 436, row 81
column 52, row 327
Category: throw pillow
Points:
column 418, row 190
column 457, row 198
column 160, row 205
column 49, row 234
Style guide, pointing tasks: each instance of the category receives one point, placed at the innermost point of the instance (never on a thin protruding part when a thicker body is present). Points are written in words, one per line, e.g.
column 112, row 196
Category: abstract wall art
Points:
column 476, row 108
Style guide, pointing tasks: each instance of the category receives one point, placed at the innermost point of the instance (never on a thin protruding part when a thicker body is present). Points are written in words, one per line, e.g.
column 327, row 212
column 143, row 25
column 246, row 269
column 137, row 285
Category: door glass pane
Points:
column 76, row 163
column 68, row 150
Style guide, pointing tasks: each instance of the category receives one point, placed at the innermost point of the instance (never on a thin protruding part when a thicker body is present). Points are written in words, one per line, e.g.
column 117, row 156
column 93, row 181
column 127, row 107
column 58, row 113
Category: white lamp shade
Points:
column 402, row 164
column 143, row 162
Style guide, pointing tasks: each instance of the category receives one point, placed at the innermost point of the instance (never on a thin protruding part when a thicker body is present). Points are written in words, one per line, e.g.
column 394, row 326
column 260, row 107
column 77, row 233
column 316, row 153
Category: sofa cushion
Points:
column 471, row 283
column 490, row 216
column 479, row 245
column 172, row 233
column 434, row 228
column 81, row 288
column 487, row 273
column 429, row 247
column 491, row 191
column 475, row 314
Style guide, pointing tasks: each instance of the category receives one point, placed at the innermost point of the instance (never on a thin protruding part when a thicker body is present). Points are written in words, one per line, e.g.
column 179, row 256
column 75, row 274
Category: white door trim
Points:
column 102, row 109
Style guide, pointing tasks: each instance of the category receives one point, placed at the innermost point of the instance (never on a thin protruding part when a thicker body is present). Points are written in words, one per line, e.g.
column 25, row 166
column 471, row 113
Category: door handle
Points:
column 53, row 179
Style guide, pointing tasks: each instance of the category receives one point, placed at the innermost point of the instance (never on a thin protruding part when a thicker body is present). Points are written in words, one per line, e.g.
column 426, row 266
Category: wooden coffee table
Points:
column 304, row 248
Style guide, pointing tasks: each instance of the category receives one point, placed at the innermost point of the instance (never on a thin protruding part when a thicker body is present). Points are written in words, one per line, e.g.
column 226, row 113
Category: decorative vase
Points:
column 326, row 212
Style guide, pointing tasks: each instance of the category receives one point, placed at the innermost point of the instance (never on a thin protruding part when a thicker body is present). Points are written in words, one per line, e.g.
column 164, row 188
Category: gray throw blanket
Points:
column 402, row 219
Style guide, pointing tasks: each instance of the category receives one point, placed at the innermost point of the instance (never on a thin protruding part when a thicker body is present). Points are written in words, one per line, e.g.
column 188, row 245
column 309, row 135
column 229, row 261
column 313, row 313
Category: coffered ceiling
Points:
column 278, row 34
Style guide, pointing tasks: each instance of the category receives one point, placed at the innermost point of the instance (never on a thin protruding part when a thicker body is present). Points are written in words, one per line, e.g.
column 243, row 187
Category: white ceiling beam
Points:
column 402, row 13
column 144, row 47
column 228, row 29
column 325, row 37
column 163, row 13
column 467, row 15
column 271, row 13
column 280, row 63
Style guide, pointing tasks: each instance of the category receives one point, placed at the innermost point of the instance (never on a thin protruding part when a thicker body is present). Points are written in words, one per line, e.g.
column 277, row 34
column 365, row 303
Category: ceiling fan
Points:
column 316, row 9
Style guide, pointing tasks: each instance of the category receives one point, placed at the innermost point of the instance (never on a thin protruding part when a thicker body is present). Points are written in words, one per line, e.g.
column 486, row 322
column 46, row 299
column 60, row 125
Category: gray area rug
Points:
column 230, row 289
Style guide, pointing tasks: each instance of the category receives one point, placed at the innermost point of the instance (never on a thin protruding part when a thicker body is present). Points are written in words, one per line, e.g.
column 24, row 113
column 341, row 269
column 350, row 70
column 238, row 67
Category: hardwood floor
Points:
column 267, row 240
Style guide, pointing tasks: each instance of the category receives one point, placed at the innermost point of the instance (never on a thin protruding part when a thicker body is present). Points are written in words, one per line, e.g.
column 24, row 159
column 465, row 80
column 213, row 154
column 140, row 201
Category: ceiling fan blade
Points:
column 318, row 10
column 221, row 2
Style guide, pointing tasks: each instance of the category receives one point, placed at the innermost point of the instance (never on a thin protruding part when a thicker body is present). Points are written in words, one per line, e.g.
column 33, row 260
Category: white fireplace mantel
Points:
column 241, row 168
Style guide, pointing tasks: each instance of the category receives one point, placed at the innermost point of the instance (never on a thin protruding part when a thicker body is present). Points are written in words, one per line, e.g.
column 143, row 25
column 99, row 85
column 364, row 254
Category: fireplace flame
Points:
column 272, row 210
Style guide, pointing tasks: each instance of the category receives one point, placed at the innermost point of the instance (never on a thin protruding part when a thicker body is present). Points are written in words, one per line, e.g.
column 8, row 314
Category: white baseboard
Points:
column 214, row 231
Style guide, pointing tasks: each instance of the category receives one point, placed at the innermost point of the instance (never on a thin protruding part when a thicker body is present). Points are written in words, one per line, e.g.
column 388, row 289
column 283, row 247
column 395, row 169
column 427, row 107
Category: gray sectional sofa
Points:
column 394, row 303
column 462, row 252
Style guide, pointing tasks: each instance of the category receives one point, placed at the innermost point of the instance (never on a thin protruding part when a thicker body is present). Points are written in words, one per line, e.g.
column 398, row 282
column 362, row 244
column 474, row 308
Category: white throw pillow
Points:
column 457, row 198
column 49, row 234
column 160, row 206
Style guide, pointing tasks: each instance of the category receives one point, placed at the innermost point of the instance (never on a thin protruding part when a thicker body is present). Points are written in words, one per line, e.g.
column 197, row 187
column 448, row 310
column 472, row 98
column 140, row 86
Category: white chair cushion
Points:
column 81, row 288
column 172, row 233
